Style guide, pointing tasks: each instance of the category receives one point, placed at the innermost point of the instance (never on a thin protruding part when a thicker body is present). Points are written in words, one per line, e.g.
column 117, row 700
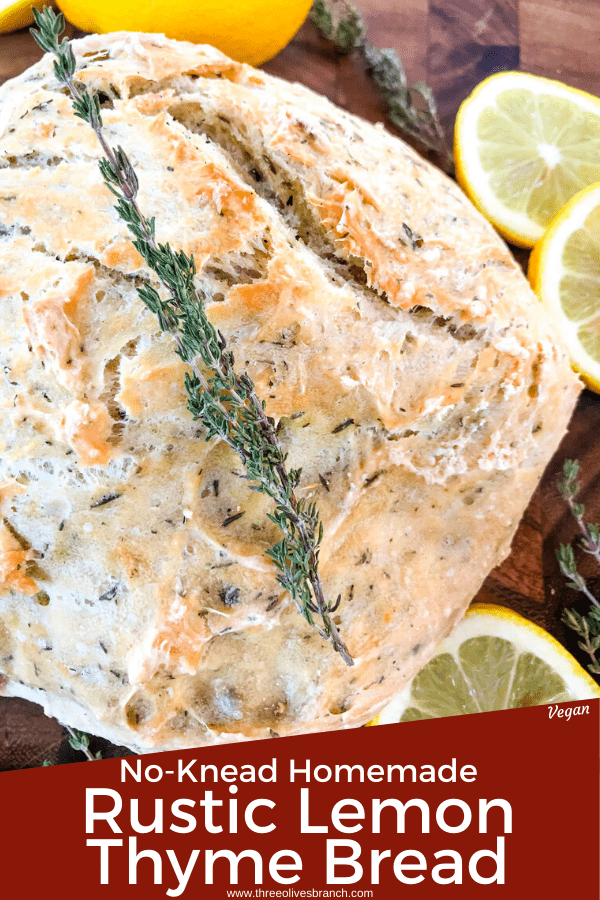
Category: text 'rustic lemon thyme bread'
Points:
column 410, row 369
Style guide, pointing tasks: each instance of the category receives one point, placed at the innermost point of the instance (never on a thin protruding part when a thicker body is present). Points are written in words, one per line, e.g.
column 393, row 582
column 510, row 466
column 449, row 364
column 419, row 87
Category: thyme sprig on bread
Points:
column 411, row 108
column 222, row 399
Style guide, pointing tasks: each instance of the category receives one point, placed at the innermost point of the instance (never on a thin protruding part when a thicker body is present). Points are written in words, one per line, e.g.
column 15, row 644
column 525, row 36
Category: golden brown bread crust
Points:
column 412, row 372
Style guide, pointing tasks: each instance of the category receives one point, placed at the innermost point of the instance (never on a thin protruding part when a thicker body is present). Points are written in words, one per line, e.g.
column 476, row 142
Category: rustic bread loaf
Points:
column 409, row 366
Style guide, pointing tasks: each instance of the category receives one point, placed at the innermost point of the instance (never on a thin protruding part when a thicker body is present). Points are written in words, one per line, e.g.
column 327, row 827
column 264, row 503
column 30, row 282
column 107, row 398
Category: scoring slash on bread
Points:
column 411, row 371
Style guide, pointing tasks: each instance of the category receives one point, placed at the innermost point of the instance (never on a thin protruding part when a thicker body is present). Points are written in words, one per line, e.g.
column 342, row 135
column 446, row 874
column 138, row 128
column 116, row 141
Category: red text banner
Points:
column 503, row 801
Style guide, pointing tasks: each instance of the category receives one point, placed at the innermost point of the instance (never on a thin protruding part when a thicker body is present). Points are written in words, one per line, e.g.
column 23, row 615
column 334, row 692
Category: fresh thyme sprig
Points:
column 420, row 121
column 569, row 488
column 411, row 108
column 225, row 401
column 79, row 741
column 586, row 626
column 340, row 22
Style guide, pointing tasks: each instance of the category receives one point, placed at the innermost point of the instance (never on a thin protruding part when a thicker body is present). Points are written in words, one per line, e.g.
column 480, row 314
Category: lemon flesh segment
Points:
column 430, row 692
column 494, row 660
column 488, row 664
column 535, row 683
column 524, row 146
column 17, row 15
column 565, row 273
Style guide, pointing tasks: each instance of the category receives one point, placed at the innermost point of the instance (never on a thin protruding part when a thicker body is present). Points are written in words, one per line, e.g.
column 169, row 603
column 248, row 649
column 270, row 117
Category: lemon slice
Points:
column 15, row 15
column 524, row 146
column 494, row 660
column 564, row 270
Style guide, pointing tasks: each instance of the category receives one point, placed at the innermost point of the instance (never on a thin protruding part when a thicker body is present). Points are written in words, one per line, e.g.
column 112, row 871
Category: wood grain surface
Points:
column 451, row 45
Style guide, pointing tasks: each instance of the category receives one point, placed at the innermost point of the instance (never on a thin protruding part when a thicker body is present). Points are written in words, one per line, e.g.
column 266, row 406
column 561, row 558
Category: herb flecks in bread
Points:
column 420, row 389
column 225, row 402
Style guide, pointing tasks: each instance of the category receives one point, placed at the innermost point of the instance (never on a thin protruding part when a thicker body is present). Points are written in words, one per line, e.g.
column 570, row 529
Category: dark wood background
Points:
column 451, row 45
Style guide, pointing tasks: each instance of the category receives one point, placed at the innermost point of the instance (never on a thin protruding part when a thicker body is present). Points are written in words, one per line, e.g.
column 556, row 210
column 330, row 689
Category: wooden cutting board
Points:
column 451, row 45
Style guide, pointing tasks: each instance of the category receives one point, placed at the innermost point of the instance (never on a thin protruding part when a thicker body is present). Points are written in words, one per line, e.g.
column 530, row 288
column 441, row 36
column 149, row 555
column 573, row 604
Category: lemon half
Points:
column 564, row 270
column 524, row 146
column 250, row 31
column 17, row 15
column 495, row 659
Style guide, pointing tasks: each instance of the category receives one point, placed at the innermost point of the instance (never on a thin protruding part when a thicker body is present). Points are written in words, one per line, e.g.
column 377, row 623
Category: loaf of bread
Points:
column 410, row 369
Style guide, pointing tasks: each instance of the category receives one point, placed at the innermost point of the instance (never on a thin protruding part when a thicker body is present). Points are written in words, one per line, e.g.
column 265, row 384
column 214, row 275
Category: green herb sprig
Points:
column 79, row 741
column 340, row 22
column 586, row 626
column 225, row 401
column 411, row 108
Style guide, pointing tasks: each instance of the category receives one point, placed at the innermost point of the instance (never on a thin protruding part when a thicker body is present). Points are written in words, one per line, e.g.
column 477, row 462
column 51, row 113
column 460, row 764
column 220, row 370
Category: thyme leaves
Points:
column 224, row 400
column 587, row 626
column 411, row 108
